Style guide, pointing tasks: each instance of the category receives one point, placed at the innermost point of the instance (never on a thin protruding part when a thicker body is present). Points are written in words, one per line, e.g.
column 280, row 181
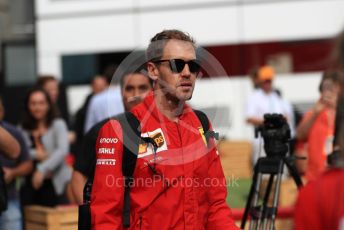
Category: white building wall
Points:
column 74, row 26
column 233, row 92
column 89, row 26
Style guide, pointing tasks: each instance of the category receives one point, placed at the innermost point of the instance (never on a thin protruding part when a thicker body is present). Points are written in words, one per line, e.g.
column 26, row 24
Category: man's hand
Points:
column 329, row 99
column 255, row 121
column 8, row 175
column 41, row 154
column 319, row 106
column 37, row 180
column 8, row 144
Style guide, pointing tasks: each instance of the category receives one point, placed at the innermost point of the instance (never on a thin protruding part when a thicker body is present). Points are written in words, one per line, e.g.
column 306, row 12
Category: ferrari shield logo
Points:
column 201, row 131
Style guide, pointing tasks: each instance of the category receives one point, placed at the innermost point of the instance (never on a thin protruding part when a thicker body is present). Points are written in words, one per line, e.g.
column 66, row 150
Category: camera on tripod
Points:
column 276, row 134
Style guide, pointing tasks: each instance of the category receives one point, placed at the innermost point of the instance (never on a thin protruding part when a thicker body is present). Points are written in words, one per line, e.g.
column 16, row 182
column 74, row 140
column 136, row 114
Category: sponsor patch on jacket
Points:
column 158, row 137
column 201, row 131
column 106, row 162
column 105, row 140
column 106, row 151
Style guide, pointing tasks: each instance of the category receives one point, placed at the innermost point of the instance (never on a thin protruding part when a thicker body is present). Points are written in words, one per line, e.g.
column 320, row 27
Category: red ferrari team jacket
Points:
column 320, row 204
column 182, row 186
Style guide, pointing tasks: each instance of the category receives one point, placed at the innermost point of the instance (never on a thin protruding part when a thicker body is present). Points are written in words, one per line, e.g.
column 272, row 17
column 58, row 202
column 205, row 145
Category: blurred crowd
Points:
column 37, row 155
column 317, row 142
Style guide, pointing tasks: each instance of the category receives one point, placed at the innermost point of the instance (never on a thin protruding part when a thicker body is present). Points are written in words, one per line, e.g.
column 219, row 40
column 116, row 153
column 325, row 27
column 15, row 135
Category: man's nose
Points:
column 186, row 71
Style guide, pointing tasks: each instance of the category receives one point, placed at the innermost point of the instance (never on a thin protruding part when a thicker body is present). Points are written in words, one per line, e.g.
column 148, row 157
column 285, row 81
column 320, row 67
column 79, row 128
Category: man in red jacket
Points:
column 180, row 184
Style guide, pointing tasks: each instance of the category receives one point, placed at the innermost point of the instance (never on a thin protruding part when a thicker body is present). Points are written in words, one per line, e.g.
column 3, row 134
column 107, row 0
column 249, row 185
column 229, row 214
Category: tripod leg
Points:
column 253, row 221
column 276, row 194
column 264, row 216
column 250, row 197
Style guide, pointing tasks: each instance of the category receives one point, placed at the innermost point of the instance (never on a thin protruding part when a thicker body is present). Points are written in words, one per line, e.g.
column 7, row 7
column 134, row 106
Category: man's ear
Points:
column 152, row 71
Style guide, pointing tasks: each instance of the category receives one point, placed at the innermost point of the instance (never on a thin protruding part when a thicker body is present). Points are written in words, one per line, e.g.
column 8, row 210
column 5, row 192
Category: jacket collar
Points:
column 151, row 107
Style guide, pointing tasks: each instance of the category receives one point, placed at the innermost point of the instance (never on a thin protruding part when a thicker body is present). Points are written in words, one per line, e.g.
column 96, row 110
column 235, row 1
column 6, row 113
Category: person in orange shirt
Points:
column 316, row 130
column 320, row 204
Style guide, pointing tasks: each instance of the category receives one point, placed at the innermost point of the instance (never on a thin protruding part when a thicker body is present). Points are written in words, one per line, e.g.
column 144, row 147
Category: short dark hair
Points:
column 100, row 76
column 28, row 121
column 134, row 72
column 109, row 72
column 335, row 76
column 155, row 49
column 43, row 79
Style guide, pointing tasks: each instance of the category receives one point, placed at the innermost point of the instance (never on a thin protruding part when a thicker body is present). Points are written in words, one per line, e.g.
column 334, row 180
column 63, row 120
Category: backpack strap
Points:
column 88, row 145
column 131, row 140
column 202, row 117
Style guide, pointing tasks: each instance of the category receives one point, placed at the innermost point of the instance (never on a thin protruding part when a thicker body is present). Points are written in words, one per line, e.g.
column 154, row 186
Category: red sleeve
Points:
column 108, row 186
column 304, row 118
column 220, row 215
column 306, row 210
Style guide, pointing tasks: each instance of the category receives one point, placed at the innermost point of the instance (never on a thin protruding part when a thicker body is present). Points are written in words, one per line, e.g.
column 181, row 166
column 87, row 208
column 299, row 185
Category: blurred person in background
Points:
column 9, row 146
column 11, row 219
column 253, row 74
column 320, row 204
column 51, row 85
column 339, row 57
column 47, row 137
column 134, row 87
column 99, row 108
column 98, row 84
column 315, row 132
column 264, row 99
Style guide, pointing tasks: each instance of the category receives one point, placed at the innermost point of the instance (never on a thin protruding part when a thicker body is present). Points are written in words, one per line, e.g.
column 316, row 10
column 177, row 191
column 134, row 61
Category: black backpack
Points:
column 131, row 131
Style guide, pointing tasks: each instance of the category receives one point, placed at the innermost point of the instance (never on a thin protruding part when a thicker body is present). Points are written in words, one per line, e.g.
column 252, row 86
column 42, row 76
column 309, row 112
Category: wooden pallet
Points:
column 236, row 158
column 44, row 218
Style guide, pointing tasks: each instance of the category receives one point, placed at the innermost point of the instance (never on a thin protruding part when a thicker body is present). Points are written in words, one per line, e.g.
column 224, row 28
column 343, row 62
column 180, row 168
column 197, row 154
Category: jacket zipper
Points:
column 180, row 137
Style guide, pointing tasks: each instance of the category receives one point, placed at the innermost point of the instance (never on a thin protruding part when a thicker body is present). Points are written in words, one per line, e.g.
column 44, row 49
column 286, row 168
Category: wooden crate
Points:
column 236, row 158
column 44, row 218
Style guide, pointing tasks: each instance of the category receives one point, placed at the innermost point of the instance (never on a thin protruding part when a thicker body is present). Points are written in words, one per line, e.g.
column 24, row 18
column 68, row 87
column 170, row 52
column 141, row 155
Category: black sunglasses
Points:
column 177, row 65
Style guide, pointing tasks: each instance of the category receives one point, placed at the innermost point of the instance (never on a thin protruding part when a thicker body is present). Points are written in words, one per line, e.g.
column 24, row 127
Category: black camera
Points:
column 276, row 134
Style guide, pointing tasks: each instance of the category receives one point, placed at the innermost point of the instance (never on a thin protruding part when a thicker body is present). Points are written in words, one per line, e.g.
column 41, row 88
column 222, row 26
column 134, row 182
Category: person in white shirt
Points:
column 103, row 105
column 264, row 100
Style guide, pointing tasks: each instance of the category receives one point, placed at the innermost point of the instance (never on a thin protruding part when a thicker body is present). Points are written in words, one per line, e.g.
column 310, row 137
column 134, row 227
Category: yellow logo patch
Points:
column 147, row 149
column 158, row 139
column 201, row 131
column 143, row 148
